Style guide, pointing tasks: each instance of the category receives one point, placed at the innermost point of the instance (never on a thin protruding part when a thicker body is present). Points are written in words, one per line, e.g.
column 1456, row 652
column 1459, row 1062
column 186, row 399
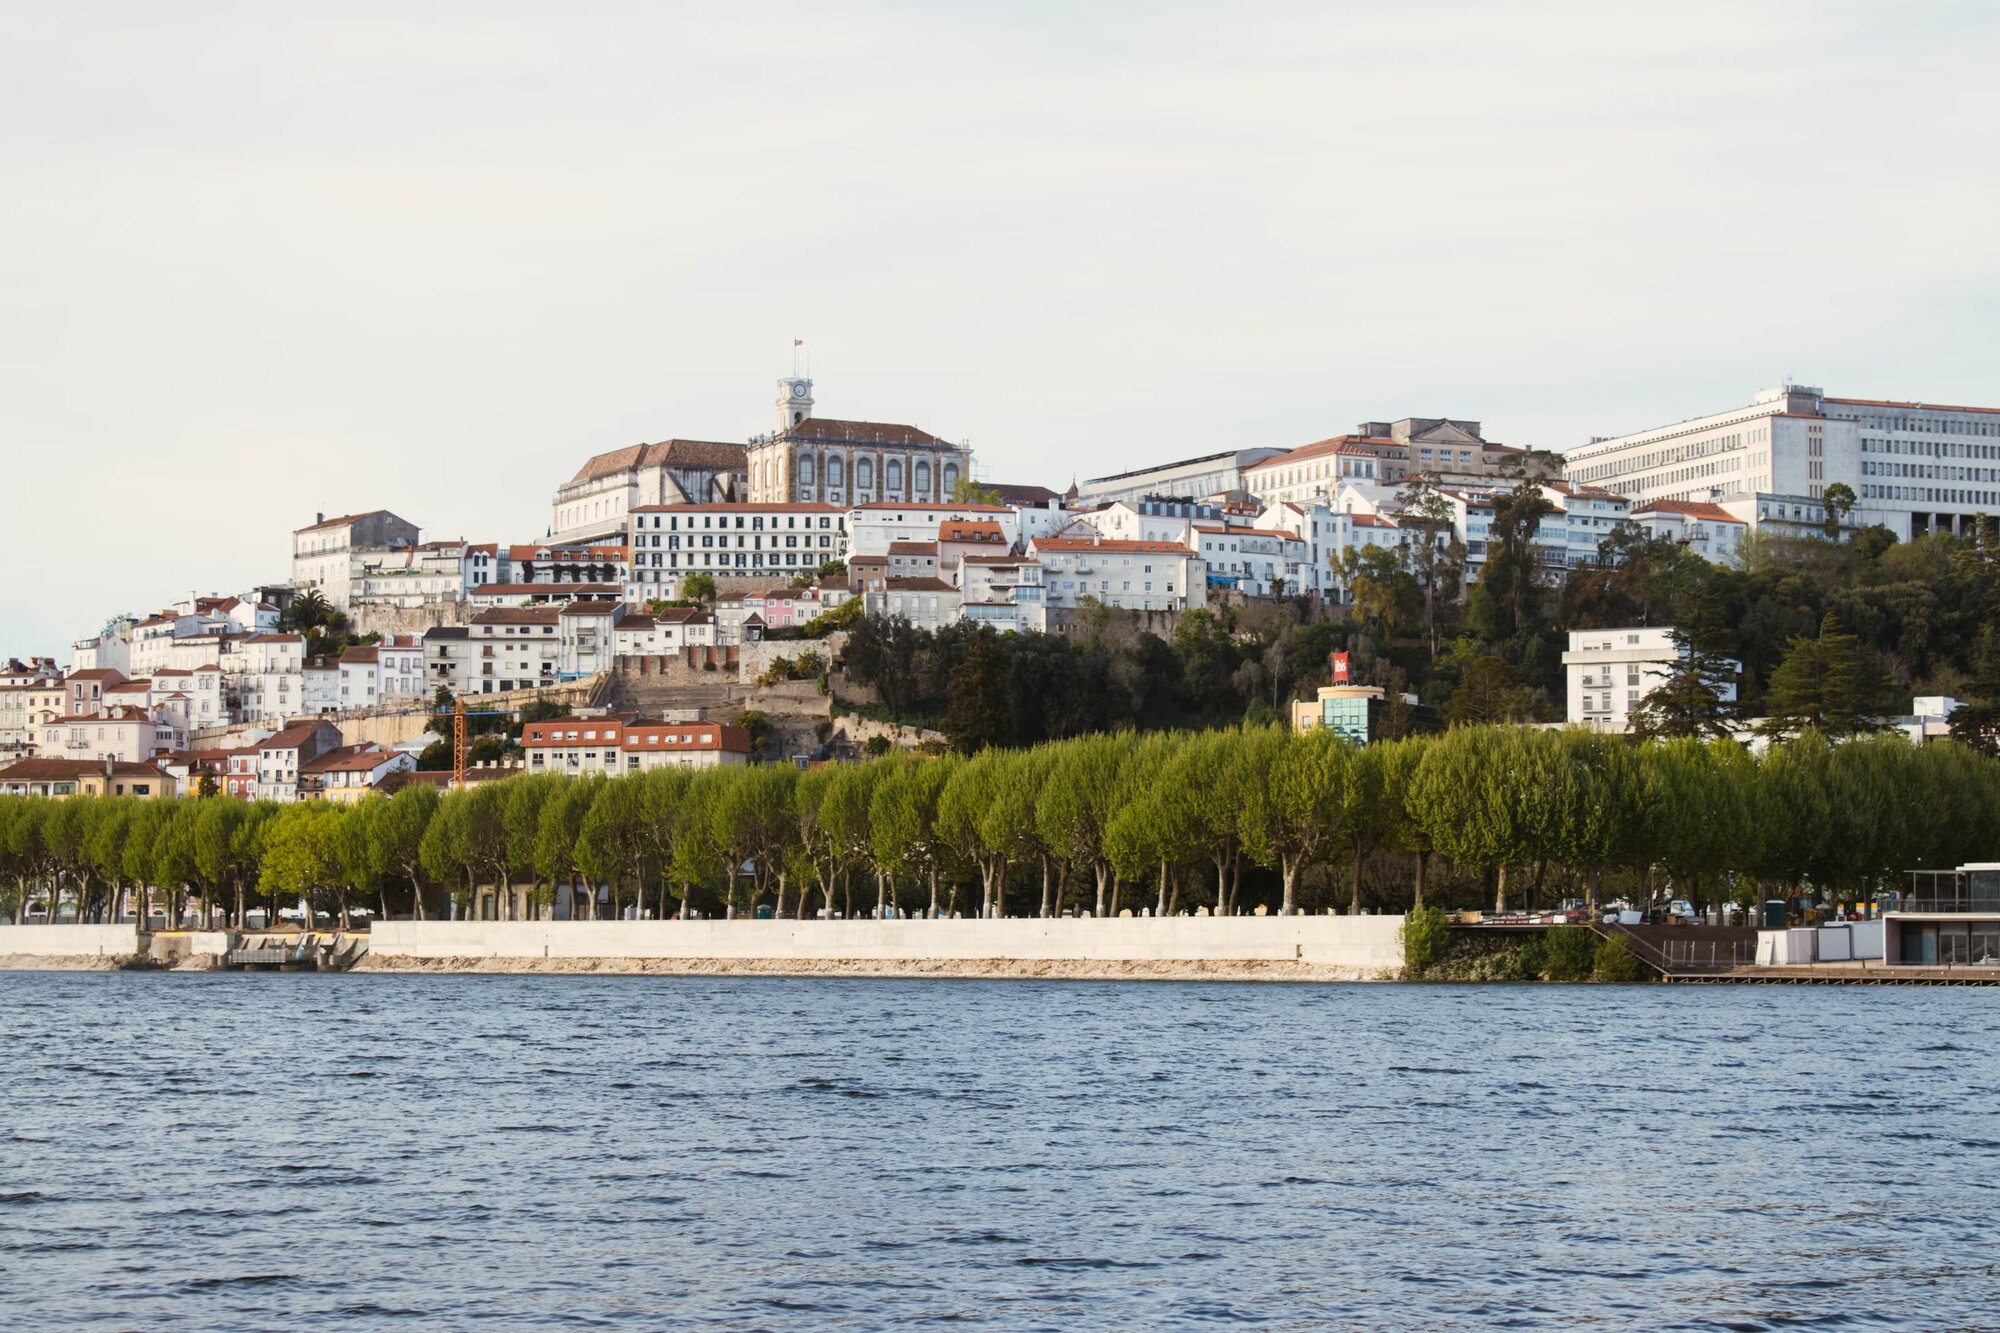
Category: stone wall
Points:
column 1366, row 944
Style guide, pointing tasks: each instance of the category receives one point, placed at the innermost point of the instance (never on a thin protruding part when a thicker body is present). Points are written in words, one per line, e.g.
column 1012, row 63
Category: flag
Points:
column 798, row 342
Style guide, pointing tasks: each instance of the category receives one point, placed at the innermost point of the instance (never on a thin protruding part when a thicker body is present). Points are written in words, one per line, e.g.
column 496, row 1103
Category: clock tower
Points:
column 795, row 402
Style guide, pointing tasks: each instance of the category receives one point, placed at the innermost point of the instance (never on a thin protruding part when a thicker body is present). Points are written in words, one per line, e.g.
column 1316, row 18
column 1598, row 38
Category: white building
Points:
column 1191, row 478
column 1313, row 473
column 847, row 463
column 591, row 507
column 509, row 648
column 328, row 553
column 1248, row 559
column 265, row 676
column 927, row 603
column 1914, row 467
column 1708, row 530
column 387, row 674
column 663, row 632
column 580, row 746
column 1135, row 575
column 729, row 540
column 1004, row 592
column 873, row 528
column 1611, row 670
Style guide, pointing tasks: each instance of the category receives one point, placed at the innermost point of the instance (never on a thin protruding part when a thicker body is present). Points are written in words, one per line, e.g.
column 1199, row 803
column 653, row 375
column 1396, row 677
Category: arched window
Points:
column 892, row 474
column 864, row 472
column 950, row 478
column 833, row 469
column 805, row 469
column 923, row 475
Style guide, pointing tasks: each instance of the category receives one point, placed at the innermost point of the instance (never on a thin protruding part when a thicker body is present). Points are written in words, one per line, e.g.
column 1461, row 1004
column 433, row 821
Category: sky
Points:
column 259, row 262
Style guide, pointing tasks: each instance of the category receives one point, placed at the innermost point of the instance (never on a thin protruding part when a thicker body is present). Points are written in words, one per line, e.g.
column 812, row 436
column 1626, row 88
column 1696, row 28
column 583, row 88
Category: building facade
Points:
column 1611, row 671
column 824, row 460
column 1913, row 467
column 669, row 542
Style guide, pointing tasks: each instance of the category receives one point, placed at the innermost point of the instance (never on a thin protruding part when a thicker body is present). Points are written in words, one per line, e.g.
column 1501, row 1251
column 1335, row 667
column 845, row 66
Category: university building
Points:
column 1913, row 467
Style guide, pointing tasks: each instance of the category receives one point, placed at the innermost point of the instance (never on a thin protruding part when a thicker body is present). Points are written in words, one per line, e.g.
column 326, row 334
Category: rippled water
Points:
column 646, row 1152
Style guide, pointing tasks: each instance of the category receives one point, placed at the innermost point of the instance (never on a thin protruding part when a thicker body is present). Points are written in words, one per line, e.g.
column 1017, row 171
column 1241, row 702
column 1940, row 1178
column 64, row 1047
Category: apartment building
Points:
column 1610, row 671
column 1708, row 530
column 669, row 542
column 580, row 746
column 1132, row 575
column 328, row 553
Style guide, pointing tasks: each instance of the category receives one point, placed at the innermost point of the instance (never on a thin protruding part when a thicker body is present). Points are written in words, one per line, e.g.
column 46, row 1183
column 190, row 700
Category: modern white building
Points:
column 1188, row 479
column 927, row 603
column 1004, row 592
column 1609, row 671
column 1913, row 467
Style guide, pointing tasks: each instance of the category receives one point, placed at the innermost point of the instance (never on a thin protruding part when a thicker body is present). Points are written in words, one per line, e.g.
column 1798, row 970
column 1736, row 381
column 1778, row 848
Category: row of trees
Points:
column 1171, row 822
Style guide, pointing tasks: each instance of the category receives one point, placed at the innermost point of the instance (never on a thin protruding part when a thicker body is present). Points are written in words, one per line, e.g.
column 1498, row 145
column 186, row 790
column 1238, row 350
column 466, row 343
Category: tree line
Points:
column 1224, row 821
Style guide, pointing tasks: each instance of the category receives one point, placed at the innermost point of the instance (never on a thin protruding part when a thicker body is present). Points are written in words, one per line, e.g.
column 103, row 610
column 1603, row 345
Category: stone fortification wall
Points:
column 377, row 618
column 1366, row 945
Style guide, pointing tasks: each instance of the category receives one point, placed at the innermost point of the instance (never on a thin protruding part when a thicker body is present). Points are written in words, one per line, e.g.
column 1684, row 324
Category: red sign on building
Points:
column 1340, row 668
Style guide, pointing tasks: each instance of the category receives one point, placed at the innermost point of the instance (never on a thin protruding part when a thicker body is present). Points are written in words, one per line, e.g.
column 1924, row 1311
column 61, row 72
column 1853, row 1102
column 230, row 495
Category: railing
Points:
column 1698, row 955
column 1984, row 904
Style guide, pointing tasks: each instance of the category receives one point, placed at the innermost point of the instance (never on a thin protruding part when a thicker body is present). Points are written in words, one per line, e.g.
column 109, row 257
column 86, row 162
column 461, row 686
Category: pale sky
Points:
column 261, row 261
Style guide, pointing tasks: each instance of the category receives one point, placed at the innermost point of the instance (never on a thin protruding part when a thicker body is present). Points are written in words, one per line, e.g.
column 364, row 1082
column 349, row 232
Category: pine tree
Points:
column 1695, row 700
column 1831, row 684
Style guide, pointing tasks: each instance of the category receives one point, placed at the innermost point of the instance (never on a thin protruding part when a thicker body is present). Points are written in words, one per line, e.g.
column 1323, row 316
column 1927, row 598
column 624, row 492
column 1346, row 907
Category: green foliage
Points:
column 1614, row 961
column 876, row 746
column 699, row 589
column 1569, row 953
column 1425, row 935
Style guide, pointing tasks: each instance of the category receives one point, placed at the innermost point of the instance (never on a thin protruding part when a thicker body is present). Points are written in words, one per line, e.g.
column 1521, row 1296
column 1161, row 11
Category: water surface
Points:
column 354, row 1152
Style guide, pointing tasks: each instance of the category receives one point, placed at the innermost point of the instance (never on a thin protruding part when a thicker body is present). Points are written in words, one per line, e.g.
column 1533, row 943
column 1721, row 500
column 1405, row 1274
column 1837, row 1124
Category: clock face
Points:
column 798, row 391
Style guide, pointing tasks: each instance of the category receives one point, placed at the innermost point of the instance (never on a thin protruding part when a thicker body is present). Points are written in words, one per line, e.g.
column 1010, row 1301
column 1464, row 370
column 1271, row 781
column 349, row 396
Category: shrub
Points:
column 1526, row 963
column 1615, row 962
column 1569, row 953
column 1424, row 936
column 876, row 747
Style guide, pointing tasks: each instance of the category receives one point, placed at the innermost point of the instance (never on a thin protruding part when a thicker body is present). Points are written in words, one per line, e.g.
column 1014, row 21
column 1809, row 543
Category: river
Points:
column 458, row 1151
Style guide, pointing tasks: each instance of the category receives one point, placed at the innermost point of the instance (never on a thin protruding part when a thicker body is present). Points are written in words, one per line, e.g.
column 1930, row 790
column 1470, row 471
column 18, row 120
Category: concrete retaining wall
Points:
column 69, row 941
column 1370, row 943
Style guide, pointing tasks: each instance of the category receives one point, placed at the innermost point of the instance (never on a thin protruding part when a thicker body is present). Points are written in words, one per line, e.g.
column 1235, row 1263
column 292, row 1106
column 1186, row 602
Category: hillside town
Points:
column 680, row 584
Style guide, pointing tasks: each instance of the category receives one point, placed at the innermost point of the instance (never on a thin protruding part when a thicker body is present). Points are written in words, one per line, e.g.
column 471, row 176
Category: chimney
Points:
column 319, row 517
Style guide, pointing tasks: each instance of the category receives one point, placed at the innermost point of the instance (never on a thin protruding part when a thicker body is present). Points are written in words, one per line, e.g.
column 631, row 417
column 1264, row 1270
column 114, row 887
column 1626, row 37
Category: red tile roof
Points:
column 1339, row 444
column 1108, row 544
column 864, row 432
column 732, row 507
column 1691, row 508
column 667, row 453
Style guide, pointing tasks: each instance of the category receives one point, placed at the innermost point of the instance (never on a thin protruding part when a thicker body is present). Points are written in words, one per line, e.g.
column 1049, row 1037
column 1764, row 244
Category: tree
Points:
column 1838, row 500
column 1293, row 813
column 398, row 828
column 611, row 844
column 1831, row 684
column 902, row 822
column 1976, row 722
column 1489, row 692
column 1696, row 699
column 977, row 714
column 1437, row 557
column 1076, row 802
column 698, row 588
column 966, row 491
